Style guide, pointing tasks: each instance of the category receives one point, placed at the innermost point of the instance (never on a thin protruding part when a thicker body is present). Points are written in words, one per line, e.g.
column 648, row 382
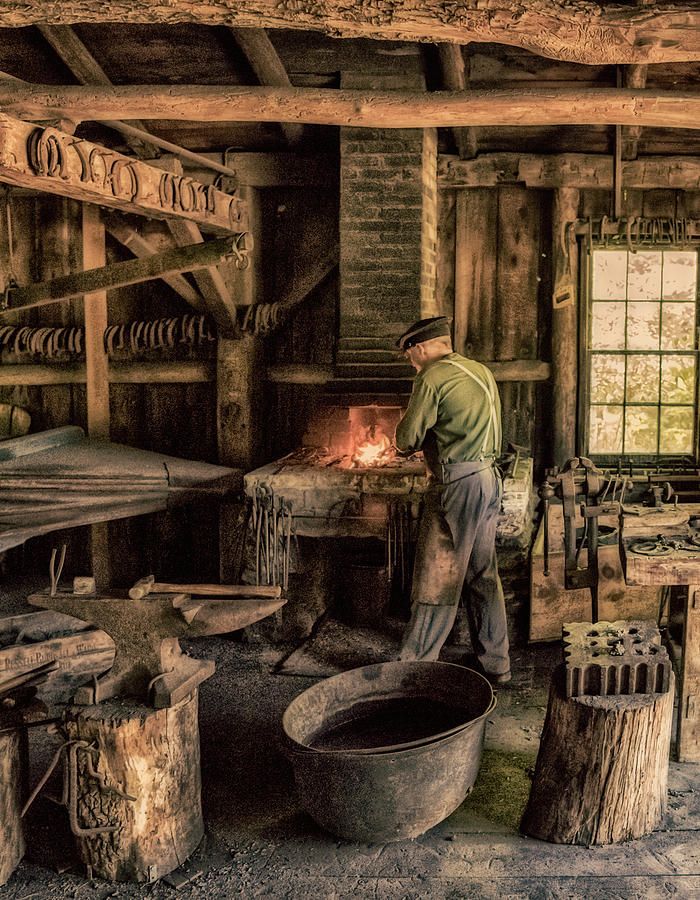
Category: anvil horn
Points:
column 219, row 615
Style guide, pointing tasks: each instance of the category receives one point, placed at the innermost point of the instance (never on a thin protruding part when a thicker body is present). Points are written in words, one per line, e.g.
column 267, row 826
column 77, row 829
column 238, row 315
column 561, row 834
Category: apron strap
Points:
column 493, row 419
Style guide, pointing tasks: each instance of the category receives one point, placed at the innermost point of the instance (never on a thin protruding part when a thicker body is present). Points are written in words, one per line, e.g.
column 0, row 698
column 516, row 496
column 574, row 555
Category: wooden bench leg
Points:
column 688, row 734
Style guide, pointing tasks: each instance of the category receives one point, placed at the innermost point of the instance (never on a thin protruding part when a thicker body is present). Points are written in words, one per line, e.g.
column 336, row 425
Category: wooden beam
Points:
column 577, row 170
column 174, row 372
column 511, row 370
column 45, row 159
column 583, row 31
column 454, row 79
column 141, row 247
column 358, row 108
column 78, row 59
column 209, row 280
column 121, row 274
column 268, row 68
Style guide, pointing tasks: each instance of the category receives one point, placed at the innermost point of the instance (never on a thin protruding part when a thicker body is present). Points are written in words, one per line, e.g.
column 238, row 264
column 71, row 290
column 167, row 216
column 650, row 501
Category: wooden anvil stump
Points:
column 602, row 768
column 146, row 795
column 11, row 834
column 148, row 662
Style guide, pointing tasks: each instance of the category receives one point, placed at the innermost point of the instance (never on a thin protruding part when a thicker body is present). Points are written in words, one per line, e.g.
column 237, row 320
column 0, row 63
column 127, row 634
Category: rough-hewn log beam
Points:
column 510, row 370
column 576, row 30
column 578, row 170
column 45, row 159
column 121, row 274
column 141, row 247
column 454, row 79
column 372, row 109
column 181, row 372
column 268, row 68
column 209, row 280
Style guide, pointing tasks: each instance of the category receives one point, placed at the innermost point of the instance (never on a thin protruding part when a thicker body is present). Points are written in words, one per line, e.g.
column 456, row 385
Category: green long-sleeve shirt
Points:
column 449, row 414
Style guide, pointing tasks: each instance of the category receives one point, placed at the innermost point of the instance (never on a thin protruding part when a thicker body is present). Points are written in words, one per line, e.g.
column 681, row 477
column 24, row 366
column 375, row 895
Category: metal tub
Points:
column 396, row 790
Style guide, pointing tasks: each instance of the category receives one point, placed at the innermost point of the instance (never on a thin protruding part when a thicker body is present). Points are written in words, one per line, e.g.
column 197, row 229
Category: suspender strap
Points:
column 493, row 419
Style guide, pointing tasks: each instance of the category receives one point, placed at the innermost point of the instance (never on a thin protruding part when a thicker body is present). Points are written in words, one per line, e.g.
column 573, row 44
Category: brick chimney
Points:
column 388, row 235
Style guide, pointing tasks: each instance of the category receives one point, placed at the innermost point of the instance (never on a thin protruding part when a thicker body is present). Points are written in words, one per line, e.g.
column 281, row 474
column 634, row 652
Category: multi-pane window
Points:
column 641, row 352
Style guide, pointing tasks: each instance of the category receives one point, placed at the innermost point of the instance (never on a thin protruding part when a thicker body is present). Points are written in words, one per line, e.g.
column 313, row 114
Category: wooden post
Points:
column 564, row 327
column 238, row 397
column 97, row 375
column 151, row 755
column 11, row 836
column 602, row 769
column 688, row 736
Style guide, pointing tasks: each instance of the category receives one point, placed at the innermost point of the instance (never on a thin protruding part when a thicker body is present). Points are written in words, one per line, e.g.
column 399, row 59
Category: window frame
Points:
column 585, row 354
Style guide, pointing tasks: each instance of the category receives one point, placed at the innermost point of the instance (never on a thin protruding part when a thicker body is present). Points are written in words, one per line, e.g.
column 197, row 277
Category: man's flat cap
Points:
column 424, row 330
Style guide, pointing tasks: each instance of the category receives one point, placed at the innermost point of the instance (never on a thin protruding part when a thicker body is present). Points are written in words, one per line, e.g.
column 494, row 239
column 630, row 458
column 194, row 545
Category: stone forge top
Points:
column 331, row 495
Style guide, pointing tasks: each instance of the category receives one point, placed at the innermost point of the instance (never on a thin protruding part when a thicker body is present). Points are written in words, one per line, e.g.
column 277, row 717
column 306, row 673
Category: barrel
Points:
column 385, row 752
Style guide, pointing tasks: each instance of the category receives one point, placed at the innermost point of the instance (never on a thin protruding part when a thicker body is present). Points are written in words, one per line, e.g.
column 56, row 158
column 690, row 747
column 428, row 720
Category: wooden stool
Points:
column 134, row 787
column 602, row 769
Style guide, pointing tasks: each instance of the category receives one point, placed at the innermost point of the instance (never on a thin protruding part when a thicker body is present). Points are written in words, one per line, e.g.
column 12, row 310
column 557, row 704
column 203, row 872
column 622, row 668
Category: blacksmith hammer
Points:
column 149, row 585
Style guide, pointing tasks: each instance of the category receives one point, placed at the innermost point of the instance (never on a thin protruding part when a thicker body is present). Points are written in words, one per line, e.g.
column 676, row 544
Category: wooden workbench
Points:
column 682, row 567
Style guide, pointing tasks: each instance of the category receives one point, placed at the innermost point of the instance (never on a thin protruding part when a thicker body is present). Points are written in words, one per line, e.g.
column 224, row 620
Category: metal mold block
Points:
column 608, row 658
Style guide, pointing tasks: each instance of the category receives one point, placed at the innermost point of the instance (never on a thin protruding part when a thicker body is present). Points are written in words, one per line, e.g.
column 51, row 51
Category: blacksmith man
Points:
column 454, row 417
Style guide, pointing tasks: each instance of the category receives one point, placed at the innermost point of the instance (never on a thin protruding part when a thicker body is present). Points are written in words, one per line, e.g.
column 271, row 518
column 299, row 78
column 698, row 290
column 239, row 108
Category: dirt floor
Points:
column 260, row 843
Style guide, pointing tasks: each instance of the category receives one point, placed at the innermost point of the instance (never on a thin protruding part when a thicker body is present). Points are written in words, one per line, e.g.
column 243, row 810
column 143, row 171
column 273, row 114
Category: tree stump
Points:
column 136, row 772
column 602, row 769
column 11, row 836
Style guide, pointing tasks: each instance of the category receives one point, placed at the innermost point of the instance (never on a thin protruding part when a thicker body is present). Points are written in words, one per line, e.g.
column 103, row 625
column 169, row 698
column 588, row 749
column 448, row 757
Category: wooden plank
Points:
column 475, row 273
column 634, row 77
column 269, row 69
column 446, row 258
column 516, row 274
column 111, row 179
column 583, row 32
column 576, row 170
column 121, row 274
column 210, row 281
column 175, row 372
column 564, row 325
column 688, row 734
column 357, row 108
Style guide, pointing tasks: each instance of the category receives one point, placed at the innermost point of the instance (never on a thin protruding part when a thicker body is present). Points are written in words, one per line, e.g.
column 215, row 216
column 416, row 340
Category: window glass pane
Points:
column 609, row 274
column 678, row 379
column 676, row 429
column 644, row 276
column 678, row 326
column 607, row 378
column 643, row 326
column 608, row 326
column 641, row 429
column 680, row 274
column 605, row 433
column 642, row 378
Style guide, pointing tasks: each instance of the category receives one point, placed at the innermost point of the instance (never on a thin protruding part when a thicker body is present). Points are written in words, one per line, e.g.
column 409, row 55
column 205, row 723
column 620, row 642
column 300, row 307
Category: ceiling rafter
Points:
column 78, row 59
column 580, row 31
column 373, row 109
column 269, row 70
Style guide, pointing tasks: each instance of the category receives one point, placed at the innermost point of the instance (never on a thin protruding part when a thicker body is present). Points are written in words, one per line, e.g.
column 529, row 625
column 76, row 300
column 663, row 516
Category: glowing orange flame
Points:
column 375, row 450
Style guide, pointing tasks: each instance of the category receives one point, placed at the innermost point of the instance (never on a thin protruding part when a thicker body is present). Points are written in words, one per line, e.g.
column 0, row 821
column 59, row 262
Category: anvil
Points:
column 145, row 632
